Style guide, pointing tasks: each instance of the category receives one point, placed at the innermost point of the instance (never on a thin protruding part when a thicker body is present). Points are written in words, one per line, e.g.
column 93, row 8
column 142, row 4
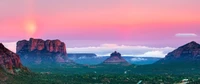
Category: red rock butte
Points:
column 115, row 58
column 41, row 45
column 38, row 51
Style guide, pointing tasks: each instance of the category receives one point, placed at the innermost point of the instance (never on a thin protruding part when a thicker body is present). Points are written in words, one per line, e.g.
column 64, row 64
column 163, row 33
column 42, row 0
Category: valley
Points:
column 47, row 64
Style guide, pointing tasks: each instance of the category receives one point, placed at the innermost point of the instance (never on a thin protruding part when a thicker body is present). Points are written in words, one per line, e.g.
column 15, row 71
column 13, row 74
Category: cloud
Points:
column 152, row 53
column 139, row 51
column 186, row 35
column 138, row 59
column 107, row 49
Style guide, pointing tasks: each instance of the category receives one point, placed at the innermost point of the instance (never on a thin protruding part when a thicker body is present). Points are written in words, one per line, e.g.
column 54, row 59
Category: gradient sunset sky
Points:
column 86, row 23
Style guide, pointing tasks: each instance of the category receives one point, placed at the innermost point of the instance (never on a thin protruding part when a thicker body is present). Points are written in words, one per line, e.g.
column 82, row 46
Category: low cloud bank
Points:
column 136, row 51
column 186, row 35
column 106, row 49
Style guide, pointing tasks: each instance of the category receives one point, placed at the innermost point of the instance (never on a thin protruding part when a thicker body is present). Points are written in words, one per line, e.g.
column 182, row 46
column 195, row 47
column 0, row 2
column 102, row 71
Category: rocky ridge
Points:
column 187, row 53
column 10, row 61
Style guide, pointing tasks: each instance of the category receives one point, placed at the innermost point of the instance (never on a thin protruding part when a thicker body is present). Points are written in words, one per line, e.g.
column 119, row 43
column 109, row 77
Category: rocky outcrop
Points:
column 39, row 51
column 187, row 53
column 115, row 58
column 10, row 61
column 55, row 46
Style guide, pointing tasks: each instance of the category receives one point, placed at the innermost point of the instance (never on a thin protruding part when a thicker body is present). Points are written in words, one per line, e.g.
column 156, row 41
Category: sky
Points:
column 83, row 24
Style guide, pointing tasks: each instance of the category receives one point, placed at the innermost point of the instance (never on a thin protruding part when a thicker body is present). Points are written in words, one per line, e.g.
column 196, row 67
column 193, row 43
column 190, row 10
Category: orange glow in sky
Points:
column 30, row 27
column 122, row 20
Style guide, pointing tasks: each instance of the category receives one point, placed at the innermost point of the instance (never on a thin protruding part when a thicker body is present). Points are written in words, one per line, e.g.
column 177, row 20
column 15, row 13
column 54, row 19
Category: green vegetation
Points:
column 107, row 74
column 33, row 78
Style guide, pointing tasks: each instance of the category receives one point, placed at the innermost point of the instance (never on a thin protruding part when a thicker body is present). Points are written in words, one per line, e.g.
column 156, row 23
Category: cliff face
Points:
column 9, row 61
column 188, row 52
column 52, row 46
column 115, row 58
column 39, row 51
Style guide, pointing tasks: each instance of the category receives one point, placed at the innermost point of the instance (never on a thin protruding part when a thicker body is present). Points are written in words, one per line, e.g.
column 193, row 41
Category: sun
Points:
column 30, row 27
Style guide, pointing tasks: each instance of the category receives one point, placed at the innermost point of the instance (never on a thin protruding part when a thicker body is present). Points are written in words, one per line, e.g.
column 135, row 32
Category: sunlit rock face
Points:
column 187, row 53
column 115, row 58
column 9, row 61
column 41, row 45
column 39, row 51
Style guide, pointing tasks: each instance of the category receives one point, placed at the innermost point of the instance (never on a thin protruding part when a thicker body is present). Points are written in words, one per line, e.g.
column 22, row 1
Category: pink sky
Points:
column 131, row 22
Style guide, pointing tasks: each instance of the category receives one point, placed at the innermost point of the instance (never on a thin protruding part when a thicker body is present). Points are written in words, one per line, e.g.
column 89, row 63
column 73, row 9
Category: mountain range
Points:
column 182, row 60
column 38, row 51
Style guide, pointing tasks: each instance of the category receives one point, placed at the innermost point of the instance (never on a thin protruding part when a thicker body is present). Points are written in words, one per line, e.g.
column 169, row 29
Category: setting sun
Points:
column 30, row 28
column 100, row 42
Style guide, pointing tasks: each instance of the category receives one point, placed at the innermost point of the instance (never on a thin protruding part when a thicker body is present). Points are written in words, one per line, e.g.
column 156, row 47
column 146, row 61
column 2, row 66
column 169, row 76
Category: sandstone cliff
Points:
column 39, row 51
column 10, row 61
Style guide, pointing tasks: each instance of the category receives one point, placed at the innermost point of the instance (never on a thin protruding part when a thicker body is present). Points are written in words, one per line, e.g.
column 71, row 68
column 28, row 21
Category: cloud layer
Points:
column 186, row 35
column 138, row 59
column 137, row 51
column 106, row 49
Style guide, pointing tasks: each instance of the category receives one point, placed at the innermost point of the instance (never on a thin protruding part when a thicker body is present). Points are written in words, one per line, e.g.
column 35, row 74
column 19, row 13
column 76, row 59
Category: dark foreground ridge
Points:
column 9, row 61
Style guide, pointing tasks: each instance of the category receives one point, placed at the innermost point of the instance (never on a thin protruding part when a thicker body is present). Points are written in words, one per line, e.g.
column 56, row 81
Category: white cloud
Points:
column 186, row 35
column 138, row 59
column 152, row 53
column 106, row 49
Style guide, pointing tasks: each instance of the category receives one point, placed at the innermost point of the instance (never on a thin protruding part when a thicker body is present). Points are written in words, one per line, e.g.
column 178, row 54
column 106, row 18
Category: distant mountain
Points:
column 141, row 60
column 94, row 60
column 115, row 58
column 188, row 53
column 89, row 60
column 81, row 55
column 38, row 51
column 9, row 61
column 86, row 58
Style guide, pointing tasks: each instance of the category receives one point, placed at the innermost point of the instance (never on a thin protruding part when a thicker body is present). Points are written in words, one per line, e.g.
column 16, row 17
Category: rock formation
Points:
column 115, row 58
column 189, row 52
column 39, row 51
column 10, row 61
